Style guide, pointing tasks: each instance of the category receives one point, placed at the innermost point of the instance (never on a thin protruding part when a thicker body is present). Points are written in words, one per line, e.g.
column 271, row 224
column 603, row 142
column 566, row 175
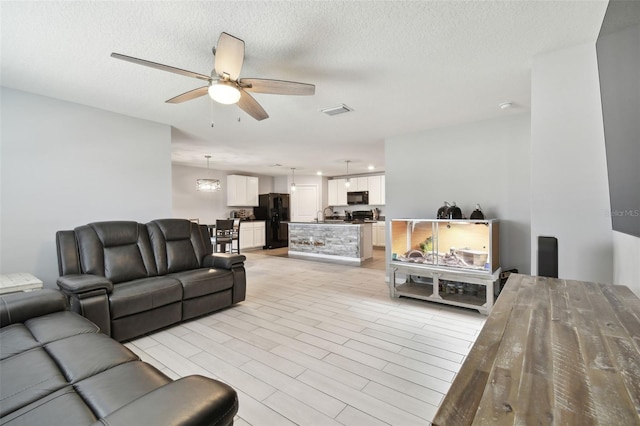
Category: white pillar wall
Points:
column 569, row 184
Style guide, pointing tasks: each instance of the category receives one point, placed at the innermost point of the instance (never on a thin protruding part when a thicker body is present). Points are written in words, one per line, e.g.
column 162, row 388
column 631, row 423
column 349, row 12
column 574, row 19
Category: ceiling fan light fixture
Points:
column 224, row 92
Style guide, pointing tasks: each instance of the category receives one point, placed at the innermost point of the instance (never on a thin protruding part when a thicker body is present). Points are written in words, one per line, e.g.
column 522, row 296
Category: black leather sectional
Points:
column 56, row 368
column 131, row 278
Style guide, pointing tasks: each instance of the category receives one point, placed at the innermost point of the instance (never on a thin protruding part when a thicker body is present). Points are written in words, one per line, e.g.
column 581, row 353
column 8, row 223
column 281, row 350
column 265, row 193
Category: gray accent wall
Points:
column 485, row 162
column 65, row 165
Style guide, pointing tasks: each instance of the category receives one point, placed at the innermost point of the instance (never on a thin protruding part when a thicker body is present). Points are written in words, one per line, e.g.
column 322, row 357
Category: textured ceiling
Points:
column 403, row 66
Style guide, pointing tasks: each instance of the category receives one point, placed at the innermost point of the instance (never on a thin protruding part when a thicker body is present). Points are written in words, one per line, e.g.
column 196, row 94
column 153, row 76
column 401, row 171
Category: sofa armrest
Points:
column 193, row 400
column 224, row 260
column 19, row 307
column 84, row 283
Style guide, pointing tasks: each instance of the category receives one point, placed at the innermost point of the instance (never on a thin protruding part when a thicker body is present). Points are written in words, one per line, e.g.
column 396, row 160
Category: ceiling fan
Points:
column 224, row 84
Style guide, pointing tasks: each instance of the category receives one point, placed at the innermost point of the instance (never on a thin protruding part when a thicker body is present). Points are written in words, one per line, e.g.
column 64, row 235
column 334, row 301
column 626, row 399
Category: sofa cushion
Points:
column 142, row 295
column 177, row 244
column 63, row 407
column 140, row 379
column 99, row 353
column 199, row 282
column 117, row 250
column 16, row 339
column 59, row 325
column 32, row 375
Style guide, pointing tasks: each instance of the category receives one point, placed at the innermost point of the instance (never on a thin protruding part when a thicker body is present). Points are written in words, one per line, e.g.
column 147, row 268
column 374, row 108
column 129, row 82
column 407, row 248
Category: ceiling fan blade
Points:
column 187, row 96
column 229, row 56
column 251, row 106
column 160, row 66
column 277, row 87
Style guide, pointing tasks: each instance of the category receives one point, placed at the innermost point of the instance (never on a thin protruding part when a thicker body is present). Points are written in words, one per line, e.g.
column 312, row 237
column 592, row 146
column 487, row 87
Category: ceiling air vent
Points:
column 338, row 109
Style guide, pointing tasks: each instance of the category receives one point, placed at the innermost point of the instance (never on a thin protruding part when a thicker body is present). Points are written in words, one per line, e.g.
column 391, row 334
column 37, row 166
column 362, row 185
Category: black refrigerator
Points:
column 274, row 209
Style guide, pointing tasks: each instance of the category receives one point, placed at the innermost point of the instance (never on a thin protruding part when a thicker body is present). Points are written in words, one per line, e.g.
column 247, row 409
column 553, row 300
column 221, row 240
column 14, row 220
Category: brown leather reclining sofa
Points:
column 131, row 278
column 56, row 368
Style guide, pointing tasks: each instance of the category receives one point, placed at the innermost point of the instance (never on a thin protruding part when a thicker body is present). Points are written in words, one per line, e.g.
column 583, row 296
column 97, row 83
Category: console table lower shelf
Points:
column 431, row 291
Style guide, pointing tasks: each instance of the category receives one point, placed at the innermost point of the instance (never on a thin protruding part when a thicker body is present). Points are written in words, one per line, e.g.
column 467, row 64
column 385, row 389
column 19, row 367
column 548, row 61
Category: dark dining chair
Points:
column 224, row 235
column 235, row 237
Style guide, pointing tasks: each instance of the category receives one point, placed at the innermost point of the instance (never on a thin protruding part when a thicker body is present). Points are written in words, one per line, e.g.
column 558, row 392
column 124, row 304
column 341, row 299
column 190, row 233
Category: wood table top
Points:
column 552, row 352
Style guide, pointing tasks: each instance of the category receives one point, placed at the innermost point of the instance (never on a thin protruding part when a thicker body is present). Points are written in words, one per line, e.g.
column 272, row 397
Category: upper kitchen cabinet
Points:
column 360, row 184
column 337, row 192
column 374, row 184
column 376, row 190
column 242, row 191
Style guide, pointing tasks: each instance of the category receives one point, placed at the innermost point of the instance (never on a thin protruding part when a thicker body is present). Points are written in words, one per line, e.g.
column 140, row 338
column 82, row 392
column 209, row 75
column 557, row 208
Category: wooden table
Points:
column 555, row 352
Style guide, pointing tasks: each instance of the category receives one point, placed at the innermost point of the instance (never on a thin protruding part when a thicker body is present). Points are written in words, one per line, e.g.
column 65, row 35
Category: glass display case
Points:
column 444, row 260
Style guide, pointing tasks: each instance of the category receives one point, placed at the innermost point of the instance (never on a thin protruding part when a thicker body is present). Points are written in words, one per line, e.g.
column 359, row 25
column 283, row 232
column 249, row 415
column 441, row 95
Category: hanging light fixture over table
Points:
column 293, row 178
column 208, row 185
column 347, row 183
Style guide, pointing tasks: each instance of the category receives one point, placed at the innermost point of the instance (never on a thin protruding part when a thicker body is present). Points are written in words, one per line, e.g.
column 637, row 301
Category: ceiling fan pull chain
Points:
column 211, row 104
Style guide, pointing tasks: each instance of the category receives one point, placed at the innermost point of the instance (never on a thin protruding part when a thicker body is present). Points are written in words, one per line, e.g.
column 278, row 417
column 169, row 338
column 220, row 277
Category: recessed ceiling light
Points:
column 319, row 173
column 371, row 167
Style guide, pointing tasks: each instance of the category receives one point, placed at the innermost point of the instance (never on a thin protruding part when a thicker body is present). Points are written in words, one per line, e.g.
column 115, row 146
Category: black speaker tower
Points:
column 547, row 257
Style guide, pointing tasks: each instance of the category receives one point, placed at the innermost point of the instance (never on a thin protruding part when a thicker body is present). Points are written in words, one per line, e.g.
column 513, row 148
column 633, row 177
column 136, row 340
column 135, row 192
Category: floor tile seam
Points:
column 421, row 331
column 355, row 404
column 294, row 340
column 286, row 391
column 407, row 342
column 448, row 328
column 285, row 361
column 411, row 360
column 224, row 379
column 171, row 347
column 419, row 374
column 301, row 402
column 350, row 357
column 321, row 371
column 310, row 332
column 355, row 340
column 392, row 361
column 415, row 401
column 266, row 324
column 435, row 356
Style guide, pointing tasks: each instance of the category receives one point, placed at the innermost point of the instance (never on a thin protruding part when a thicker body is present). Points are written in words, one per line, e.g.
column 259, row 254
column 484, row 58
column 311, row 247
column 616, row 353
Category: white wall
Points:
column 626, row 268
column 569, row 186
column 65, row 165
column 485, row 162
column 189, row 203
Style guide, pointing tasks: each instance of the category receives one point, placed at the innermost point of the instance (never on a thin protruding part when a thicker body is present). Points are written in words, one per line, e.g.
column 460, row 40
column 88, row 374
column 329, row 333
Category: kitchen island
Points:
column 343, row 241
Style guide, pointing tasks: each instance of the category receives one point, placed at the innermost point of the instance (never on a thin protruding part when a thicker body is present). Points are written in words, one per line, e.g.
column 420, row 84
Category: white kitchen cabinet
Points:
column 259, row 234
column 337, row 192
column 252, row 234
column 242, row 191
column 252, row 191
column 360, row 183
column 375, row 190
column 379, row 234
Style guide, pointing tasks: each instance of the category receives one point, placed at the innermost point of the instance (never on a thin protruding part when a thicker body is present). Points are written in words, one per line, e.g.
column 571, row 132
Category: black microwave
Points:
column 358, row 197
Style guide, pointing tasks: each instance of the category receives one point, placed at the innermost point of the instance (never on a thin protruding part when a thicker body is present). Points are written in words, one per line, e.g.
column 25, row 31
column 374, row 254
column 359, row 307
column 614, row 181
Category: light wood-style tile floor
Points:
column 321, row 344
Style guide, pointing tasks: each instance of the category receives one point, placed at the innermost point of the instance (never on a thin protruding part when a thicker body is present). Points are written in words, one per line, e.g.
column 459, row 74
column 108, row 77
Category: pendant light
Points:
column 348, row 181
column 293, row 179
column 208, row 185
